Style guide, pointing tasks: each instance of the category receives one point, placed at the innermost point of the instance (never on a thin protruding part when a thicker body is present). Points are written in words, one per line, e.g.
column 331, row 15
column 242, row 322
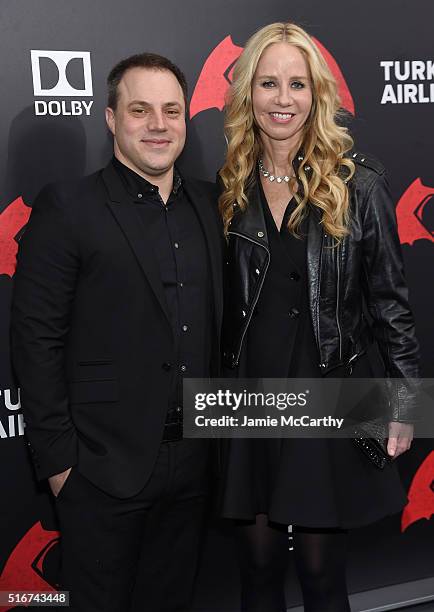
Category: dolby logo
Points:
column 62, row 75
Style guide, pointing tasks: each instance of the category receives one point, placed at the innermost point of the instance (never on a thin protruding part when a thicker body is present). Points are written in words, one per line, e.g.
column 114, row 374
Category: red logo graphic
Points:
column 24, row 568
column 12, row 220
column 420, row 494
column 216, row 76
column 409, row 211
column 344, row 92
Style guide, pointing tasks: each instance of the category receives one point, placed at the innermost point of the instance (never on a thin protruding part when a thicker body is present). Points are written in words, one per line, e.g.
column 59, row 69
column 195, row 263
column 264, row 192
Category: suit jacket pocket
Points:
column 94, row 362
column 98, row 369
column 93, row 391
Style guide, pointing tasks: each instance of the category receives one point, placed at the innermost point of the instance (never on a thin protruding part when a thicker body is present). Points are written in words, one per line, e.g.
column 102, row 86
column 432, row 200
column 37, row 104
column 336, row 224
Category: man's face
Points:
column 148, row 124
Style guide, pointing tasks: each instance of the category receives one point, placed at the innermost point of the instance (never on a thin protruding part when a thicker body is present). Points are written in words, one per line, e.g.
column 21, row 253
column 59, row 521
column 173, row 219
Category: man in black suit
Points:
column 117, row 297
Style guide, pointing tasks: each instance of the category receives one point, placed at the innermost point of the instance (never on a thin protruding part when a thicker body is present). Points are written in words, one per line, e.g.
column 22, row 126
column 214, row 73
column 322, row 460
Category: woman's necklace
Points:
column 271, row 177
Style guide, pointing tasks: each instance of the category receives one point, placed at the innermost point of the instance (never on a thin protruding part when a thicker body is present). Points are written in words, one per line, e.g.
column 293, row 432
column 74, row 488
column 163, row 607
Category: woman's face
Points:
column 281, row 94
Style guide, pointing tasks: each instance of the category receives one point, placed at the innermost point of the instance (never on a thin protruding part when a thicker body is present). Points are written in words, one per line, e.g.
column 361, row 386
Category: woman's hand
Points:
column 400, row 438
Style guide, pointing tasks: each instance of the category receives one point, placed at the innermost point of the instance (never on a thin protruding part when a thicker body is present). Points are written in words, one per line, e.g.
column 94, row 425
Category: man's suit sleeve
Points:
column 44, row 288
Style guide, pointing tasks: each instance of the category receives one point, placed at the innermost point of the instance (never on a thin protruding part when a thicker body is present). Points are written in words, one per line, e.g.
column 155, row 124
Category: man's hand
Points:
column 400, row 437
column 57, row 481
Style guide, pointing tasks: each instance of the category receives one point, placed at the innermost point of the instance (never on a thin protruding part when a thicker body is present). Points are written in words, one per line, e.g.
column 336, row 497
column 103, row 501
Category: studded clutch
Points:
column 371, row 438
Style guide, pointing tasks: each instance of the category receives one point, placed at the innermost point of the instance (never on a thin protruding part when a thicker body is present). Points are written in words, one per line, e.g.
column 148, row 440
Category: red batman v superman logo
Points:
column 24, row 569
column 409, row 213
column 12, row 220
column 420, row 494
column 216, row 76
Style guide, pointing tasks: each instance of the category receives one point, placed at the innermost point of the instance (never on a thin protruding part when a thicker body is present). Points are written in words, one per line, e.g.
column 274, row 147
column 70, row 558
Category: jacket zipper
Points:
column 256, row 298
column 350, row 363
column 338, row 271
column 351, row 359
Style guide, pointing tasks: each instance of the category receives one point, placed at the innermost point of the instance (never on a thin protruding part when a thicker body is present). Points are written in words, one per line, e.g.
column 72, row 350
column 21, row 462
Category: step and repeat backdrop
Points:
column 55, row 56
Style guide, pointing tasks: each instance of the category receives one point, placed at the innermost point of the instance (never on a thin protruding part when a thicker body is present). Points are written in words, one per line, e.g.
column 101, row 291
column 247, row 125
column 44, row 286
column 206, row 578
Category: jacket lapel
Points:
column 252, row 222
column 135, row 232
column 205, row 205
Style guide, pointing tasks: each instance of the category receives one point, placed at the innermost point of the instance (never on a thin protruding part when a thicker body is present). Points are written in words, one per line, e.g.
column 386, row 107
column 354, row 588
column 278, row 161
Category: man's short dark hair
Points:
column 151, row 61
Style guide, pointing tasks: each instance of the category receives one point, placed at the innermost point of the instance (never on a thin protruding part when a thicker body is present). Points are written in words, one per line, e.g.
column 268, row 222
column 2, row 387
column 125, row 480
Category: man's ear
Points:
column 110, row 120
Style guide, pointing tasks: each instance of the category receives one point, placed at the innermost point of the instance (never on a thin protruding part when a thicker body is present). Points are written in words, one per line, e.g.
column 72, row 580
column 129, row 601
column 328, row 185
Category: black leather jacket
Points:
column 366, row 266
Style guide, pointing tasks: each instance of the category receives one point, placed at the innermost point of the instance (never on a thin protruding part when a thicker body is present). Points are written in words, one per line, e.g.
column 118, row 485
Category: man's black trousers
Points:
column 138, row 554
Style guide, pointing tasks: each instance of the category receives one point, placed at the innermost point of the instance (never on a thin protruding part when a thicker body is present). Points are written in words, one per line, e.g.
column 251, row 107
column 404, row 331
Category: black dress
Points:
column 325, row 483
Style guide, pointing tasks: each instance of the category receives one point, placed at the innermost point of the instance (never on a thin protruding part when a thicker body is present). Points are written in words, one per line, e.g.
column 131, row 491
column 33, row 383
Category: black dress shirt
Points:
column 180, row 248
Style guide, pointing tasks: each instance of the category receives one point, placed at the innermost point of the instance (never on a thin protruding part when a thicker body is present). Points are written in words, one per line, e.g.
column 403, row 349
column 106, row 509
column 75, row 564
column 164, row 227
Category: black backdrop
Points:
column 37, row 148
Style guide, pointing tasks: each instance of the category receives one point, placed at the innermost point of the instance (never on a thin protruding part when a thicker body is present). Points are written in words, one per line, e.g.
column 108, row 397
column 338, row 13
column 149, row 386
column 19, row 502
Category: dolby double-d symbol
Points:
column 62, row 88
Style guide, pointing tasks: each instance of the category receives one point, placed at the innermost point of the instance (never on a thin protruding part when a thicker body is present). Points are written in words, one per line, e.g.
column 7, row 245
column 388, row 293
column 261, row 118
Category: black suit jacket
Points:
column 91, row 339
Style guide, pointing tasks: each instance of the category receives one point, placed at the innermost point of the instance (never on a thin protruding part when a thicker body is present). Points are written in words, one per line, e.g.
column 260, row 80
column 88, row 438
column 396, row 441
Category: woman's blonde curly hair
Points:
column 324, row 143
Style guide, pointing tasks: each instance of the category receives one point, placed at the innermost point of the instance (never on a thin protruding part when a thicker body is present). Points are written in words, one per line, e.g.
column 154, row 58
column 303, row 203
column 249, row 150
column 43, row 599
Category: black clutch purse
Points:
column 371, row 438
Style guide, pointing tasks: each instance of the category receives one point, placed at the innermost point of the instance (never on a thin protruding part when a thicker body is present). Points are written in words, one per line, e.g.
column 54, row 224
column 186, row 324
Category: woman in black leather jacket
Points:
column 311, row 239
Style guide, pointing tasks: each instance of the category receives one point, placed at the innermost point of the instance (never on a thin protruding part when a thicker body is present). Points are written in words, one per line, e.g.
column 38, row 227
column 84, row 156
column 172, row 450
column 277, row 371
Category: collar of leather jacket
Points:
column 253, row 225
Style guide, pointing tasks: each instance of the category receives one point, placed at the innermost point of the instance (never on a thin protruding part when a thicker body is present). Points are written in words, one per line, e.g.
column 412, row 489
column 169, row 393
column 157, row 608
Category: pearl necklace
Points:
column 271, row 177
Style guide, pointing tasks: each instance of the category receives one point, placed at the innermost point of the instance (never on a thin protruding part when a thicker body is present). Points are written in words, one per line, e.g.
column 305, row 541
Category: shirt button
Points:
column 295, row 276
column 184, row 327
column 176, row 245
column 140, row 195
column 183, row 368
column 181, row 284
column 294, row 313
column 179, row 409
